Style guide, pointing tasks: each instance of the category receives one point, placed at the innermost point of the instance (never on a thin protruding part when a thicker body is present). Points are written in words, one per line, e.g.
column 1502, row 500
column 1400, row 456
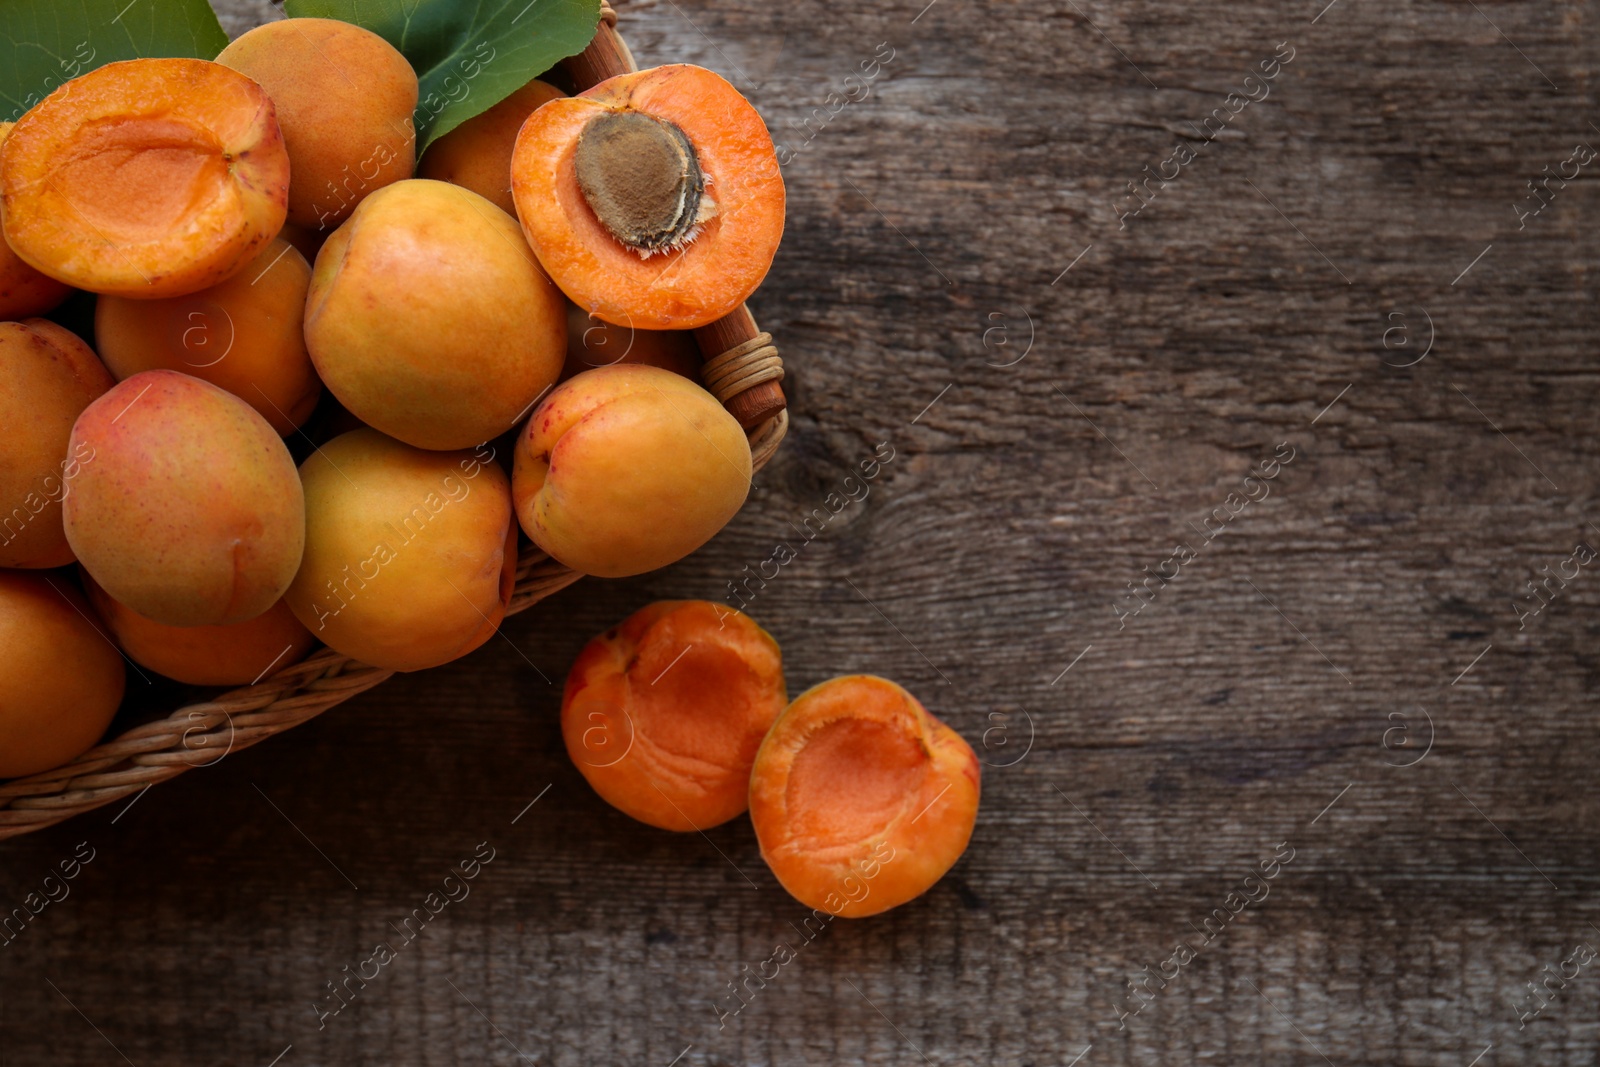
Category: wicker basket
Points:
column 741, row 369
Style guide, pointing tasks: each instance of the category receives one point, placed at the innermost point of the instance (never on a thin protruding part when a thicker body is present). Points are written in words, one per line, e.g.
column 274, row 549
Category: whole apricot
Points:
column 24, row 291
column 670, row 162
column 663, row 713
column 61, row 679
column 861, row 800
column 244, row 335
column 625, row 469
column 593, row 342
column 345, row 100
column 190, row 512
column 429, row 318
column 477, row 154
column 239, row 653
column 411, row 555
column 47, row 377
column 146, row 178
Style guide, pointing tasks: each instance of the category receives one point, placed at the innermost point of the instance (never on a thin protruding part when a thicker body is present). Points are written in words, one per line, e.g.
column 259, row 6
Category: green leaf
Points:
column 469, row 54
column 46, row 42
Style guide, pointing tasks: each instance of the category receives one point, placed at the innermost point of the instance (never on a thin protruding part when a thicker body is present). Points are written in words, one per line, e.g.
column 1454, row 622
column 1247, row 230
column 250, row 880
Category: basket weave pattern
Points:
column 201, row 735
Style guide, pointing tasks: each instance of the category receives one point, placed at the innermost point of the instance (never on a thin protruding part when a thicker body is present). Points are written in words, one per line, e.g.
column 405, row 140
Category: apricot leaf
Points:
column 46, row 42
column 468, row 56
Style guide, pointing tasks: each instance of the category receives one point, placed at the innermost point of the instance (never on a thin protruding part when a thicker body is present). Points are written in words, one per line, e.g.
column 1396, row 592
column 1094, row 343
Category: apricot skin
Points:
column 593, row 342
column 24, row 292
column 60, row 679
column 190, row 512
column 625, row 469
column 430, row 319
column 476, row 155
column 860, row 799
column 47, row 377
column 410, row 556
column 663, row 713
column 147, row 178
column 237, row 654
column 244, row 336
column 345, row 100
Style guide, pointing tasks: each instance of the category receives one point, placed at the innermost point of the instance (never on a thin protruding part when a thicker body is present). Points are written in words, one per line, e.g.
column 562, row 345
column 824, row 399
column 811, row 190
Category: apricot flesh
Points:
column 862, row 800
column 429, row 318
column 146, row 178
column 477, row 154
column 61, row 679
column 236, row 654
column 345, row 100
column 626, row 469
column 47, row 377
column 244, row 335
column 191, row 512
column 663, row 713
column 24, row 292
column 411, row 555
column 593, row 342
column 721, row 229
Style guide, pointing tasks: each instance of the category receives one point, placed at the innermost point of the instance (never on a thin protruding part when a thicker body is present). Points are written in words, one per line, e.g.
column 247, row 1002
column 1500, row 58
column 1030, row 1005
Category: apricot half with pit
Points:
column 653, row 199
column 146, row 178
column 625, row 469
column 663, row 713
column 861, row 800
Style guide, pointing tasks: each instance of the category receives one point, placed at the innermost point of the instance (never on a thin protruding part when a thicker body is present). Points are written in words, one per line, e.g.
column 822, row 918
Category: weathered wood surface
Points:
column 1374, row 190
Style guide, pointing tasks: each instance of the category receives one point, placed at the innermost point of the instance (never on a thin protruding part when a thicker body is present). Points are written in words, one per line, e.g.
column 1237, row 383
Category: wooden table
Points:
column 1337, row 667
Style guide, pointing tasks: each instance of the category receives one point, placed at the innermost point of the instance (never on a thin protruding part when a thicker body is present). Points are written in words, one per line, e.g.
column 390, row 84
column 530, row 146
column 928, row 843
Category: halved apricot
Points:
column 145, row 178
column 24, row 292
column 862, row 800
column 653, row 199
column 663, row 713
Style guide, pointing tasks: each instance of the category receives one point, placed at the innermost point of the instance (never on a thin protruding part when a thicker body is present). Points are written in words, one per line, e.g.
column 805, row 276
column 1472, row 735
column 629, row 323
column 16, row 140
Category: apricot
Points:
column 61, row 679
column 663, row 713
column 190, row 512
column 47, row 377
column 146, row 178
column 625, row 469
column 236, row 654
column 861, row 800
column 477, row 154
column 429, row 318
column 592, row 342
column 345, row 100
column 671, row 161
column 244, row 335
column 24, row 291
column 411, row 555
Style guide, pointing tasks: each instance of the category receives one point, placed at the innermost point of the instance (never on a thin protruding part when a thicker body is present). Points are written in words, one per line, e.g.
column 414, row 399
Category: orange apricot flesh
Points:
column 861, row 799
column 146, row 178
column 47, row 377
column 24, row 291
column 663, row 713
column 61, row 679
column 716, row 256
column 236, row 654
column 476, row 155
column 244, row 335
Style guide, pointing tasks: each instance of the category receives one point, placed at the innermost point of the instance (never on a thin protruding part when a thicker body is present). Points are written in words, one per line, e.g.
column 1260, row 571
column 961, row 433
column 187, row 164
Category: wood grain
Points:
column 1245, row 306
